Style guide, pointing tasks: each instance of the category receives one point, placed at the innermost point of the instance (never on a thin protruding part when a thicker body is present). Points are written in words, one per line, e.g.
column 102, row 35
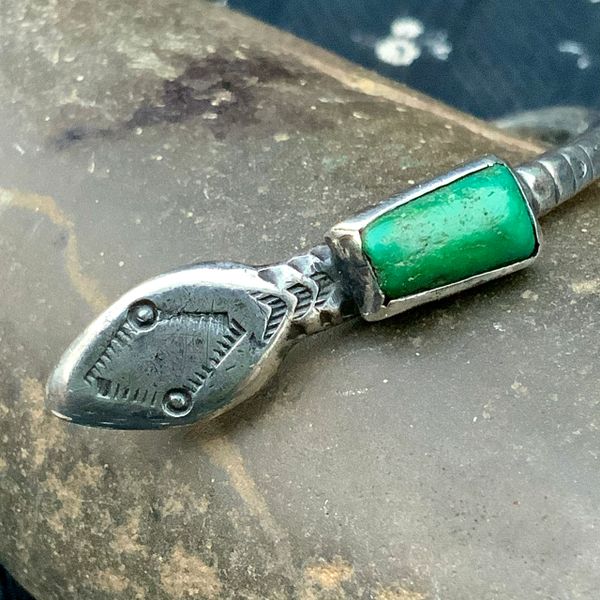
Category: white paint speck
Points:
column 358, row 392
column 19, row 149
column 438, row 44
column 398, row 52
column 529, row 295
column 223, row 97
column 5, row 200
column 408, row 40
column 589, row 286
column 121, row 263
column 519, row 388
column 407, row 27
column 577, row 49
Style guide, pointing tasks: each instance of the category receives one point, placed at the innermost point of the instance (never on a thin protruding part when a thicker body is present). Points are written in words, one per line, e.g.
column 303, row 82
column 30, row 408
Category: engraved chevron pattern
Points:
column 325, row 284
column 223, row 348
column 278, row 309
column 121, row 339
column 304, row 296
column 227, row 335
column 111, row 390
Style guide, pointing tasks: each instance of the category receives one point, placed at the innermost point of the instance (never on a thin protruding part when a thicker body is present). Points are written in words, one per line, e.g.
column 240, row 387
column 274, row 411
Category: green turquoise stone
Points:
column 475, row 224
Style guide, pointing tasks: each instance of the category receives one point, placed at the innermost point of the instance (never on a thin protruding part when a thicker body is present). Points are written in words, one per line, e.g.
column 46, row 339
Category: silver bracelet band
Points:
column 561, row 173
column 188, row 345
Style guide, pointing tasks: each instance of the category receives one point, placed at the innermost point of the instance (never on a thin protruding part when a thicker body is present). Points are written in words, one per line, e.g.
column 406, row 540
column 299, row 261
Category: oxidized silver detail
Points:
column 190, row 344
column 559, row 174
column 178, row 403
column 346, row 244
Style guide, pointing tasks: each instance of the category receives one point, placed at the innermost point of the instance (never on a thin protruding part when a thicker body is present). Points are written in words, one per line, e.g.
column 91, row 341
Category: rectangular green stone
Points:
column 476, row 224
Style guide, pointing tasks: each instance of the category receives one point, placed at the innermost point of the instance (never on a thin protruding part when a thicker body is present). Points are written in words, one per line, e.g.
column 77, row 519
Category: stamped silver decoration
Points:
column 186, row 345
column 190, row 344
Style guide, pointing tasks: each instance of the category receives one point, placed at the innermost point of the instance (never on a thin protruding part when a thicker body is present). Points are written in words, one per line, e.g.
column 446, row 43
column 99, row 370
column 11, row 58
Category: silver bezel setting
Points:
column 345, row 242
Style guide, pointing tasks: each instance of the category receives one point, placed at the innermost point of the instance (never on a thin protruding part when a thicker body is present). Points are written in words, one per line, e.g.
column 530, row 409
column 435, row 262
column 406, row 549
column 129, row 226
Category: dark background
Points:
column 505, row 55
column 9, row 589
column 490, row 58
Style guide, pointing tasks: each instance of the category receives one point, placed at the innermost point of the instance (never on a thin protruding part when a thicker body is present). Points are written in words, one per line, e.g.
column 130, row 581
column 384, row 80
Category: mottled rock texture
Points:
column 450, row 454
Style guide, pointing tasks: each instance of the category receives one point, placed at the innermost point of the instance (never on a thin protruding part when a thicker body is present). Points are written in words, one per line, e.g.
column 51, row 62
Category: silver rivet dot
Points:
column 177, row 403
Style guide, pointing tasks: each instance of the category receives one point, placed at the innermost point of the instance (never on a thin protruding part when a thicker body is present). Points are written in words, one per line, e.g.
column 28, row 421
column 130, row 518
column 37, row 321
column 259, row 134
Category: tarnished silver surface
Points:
column 188, row 345
column 345, row 240
column 557, row 175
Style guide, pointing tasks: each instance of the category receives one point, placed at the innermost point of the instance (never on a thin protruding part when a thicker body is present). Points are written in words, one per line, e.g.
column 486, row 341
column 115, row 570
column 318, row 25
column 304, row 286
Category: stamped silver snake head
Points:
column 185, row 346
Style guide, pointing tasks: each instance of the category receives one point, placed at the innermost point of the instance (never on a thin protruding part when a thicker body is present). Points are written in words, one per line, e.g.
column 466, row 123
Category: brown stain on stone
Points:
column 110, row 581
column 323, row 579
column 398, row 593
column 181, row 501
column 224, row 454
column 45, row 433
column 184, row 575
column 85, row 286
column 328, row 575
column 219, row 87
column 126, row 537
column 70, row 493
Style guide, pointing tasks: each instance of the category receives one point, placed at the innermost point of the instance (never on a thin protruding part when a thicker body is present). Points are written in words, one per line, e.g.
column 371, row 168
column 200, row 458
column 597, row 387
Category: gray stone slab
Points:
column 449, row 454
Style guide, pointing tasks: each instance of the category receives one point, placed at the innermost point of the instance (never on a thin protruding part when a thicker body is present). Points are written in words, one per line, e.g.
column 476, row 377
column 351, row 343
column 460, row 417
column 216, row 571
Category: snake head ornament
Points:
column 189, row 344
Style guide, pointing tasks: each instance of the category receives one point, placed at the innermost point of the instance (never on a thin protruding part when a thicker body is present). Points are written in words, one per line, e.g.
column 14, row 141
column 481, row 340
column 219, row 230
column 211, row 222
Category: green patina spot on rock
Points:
column 478, row 223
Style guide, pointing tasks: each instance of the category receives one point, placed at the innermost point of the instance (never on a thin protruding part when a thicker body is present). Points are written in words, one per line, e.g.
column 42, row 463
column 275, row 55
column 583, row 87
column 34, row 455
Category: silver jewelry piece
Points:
column 191, row 344
column 345, row 241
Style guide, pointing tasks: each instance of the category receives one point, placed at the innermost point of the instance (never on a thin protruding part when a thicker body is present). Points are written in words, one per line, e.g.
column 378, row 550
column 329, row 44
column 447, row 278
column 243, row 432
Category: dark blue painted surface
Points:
column 506, row 55
column 9, row 589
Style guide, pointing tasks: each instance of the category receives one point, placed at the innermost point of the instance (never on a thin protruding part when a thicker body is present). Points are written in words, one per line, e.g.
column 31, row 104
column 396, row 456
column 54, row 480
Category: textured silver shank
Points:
column 314, row 281
column 557, row 175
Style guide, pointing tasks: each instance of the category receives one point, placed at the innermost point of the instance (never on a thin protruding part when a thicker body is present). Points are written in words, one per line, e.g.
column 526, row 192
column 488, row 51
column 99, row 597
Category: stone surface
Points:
column 476, row 224
column 451, row 453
